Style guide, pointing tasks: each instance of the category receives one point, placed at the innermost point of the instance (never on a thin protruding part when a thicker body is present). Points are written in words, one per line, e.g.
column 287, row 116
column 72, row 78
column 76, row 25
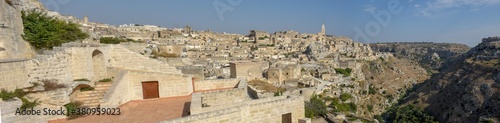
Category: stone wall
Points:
column 84, row 64
column 197, row 72
column 19, row 74
column 215, row 84
column 121, row 57
column 257, row 111
column 8, row 111
column 210, row 101
column 119, row 92
column 248, row 69
column 50, row 67
column 13, row 74
column 128, row 86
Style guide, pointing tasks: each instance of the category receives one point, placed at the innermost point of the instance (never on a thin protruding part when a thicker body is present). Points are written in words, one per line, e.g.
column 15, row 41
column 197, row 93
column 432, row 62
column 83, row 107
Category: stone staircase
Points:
column 91, row 98
column 122, row 57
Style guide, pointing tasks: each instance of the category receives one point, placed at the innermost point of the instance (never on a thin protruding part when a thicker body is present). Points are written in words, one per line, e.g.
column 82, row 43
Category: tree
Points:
column 315, row 107
column 346, row 72
column 109, row 40
column 408, row 114
column 45, row 32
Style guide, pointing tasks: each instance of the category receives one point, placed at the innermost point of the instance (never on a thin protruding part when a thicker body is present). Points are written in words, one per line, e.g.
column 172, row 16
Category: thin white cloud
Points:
column 439, row 5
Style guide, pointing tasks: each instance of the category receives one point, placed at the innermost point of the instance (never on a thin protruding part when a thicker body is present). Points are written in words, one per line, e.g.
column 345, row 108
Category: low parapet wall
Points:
column 216, row 100
column 256, row 111
column 118, row 93
column 215, row 84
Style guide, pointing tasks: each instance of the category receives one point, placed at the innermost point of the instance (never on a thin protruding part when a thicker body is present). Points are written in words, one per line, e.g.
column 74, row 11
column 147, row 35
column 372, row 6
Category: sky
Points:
column 366, row 21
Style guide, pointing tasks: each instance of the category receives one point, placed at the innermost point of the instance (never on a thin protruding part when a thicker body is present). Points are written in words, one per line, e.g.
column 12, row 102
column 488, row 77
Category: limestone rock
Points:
column 466, row 89
column 428, row 55
column 12, row 45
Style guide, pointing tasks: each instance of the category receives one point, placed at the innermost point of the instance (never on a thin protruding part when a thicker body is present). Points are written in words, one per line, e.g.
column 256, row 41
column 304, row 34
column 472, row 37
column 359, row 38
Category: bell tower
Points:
column 323, row 30
column 86, row 19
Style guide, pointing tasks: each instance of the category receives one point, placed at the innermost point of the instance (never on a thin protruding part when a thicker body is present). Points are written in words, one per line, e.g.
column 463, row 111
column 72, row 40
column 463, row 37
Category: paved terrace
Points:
column 142, row 111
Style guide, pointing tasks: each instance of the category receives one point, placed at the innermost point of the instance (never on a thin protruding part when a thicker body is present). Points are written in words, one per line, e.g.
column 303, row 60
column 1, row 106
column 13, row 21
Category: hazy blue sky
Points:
column 458, row 21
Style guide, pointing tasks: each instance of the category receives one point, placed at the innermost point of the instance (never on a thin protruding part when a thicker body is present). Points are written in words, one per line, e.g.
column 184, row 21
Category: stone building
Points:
column 248, row 69
column 179, row 50
column 281, row 72
column 256, row 34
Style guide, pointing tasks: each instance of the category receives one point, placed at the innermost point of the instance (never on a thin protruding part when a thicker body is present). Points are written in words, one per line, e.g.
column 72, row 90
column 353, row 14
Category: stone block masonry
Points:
column 248, row 69
column 216, row 100
column 13, row 74
column 257, row 111
column 215, row 84
column 19, row 74
column 128, row 86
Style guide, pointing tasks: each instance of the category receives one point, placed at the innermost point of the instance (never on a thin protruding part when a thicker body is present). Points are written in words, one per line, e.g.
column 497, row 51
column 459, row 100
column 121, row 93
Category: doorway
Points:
column 150, row 90
column 286, row 118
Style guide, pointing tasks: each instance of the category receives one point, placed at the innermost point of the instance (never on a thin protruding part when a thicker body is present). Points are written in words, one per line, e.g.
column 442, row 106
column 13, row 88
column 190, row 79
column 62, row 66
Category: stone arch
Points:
column 76, row 89
column 98, row 65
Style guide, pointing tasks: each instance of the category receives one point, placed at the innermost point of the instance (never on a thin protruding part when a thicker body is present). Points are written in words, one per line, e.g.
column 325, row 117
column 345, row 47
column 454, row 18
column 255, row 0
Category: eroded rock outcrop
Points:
column 428, row 55
column 467, row 89
column 12, row 45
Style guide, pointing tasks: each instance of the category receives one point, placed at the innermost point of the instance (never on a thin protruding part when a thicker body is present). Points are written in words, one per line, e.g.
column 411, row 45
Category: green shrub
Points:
column 487, row 121
column 6, row 95
column 109, row 40
column 315, row 107
column 82, row 79
column 106, row 80
column 408, row 114
column 344, row 107
column 165, row 54
column 390, row 98
column 364, row 92
column 279, row 92
column 86, row 89
column 45, row 32
column 27, row 104
column 370, row 108
column 345, row 96
column 72, row 107
column 372, row 90
column 346, row 72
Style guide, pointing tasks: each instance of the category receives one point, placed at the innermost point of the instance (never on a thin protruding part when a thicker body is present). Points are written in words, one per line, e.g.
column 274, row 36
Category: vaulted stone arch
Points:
column 98, row 65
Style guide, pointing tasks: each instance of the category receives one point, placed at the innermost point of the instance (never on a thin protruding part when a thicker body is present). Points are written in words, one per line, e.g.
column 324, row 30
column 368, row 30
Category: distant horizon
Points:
column 367, row 21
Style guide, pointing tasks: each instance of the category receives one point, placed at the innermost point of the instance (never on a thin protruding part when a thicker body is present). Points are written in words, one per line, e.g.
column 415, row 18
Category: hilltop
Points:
column 429, row 55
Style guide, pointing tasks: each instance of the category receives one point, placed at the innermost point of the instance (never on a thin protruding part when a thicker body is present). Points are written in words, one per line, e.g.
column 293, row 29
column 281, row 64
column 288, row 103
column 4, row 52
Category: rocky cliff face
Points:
column 428, row 55
column 386, row 81
column 12, row 45
column 467, row 89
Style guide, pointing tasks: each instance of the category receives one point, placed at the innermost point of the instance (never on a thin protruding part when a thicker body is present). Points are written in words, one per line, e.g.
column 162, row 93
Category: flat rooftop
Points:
column 141, row 111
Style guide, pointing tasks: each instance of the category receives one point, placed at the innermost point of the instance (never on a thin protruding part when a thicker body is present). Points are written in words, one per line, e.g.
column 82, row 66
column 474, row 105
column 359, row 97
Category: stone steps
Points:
column 92, row 98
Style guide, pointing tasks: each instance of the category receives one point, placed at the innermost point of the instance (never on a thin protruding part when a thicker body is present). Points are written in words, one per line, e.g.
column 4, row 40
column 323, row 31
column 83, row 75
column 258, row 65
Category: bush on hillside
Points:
column 315, row 107
column 45, row 32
